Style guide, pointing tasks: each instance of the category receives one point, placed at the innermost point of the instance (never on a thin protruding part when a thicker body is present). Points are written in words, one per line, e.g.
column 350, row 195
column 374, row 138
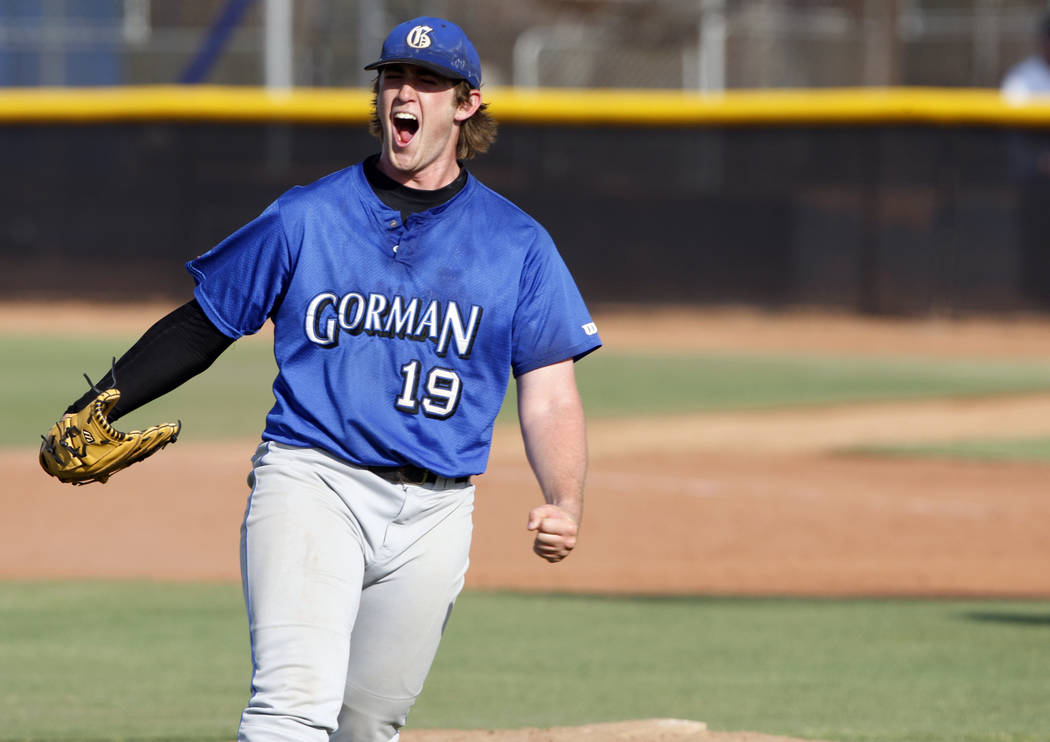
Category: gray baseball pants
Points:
column 348, row 581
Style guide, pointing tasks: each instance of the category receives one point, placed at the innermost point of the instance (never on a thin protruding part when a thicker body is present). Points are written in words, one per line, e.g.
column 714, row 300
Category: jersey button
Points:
column 393, row 223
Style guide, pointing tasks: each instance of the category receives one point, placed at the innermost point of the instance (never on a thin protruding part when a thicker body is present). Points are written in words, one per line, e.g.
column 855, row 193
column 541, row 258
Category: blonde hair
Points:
column 476, row 134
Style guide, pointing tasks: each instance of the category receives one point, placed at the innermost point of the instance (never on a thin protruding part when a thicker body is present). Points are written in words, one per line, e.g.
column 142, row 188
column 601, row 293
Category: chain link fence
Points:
column 690, row 44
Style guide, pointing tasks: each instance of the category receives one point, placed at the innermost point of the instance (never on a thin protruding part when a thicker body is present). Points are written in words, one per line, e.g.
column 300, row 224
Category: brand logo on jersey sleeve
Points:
column 590, row 328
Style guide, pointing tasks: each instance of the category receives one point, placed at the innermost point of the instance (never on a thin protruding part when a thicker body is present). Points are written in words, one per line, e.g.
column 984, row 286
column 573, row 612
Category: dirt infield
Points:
column 755, row 503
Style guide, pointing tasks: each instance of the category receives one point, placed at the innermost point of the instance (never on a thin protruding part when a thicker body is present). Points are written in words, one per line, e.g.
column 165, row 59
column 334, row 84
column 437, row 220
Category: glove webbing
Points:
column 96, row 413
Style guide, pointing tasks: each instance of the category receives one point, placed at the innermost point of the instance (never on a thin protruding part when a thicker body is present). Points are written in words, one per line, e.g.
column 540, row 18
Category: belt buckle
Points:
column 411, row 474
column 408, row 474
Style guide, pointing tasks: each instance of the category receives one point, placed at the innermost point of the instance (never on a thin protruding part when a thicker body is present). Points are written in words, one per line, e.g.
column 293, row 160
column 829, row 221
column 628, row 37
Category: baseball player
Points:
column 403, row 293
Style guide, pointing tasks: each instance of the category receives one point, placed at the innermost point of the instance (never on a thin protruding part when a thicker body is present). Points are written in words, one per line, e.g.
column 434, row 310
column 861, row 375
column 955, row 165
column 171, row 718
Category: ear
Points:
column 469, row 107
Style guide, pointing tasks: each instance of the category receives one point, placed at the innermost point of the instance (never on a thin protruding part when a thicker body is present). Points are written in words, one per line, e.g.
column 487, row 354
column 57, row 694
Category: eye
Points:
column 433, row 82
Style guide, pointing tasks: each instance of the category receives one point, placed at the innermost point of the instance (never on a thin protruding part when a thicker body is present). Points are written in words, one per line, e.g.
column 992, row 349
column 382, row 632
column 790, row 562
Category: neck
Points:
column 429, row 178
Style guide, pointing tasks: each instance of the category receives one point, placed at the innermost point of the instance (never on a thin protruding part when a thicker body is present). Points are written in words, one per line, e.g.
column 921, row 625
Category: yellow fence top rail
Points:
column 840, row 106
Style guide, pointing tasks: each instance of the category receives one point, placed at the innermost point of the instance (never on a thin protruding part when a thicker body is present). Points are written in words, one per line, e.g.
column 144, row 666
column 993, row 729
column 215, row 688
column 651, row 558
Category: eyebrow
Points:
column 412, row 69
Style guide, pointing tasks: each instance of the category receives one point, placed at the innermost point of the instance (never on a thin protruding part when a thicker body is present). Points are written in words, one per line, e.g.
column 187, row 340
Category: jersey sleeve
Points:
column 240, row 280
column 551, row 323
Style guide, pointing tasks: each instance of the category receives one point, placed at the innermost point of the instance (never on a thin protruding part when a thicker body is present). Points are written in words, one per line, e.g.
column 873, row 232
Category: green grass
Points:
column 632, row 384
column 989, row 449
column 122, row 661
column 41, row 376
column 886, row 671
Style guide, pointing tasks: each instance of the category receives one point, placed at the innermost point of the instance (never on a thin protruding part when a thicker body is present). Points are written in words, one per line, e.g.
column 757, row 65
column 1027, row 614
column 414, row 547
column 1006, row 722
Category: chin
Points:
column 405, row 164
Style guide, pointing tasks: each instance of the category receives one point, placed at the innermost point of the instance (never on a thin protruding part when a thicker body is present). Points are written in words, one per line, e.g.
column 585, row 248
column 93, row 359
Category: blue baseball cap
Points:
column 436, row 44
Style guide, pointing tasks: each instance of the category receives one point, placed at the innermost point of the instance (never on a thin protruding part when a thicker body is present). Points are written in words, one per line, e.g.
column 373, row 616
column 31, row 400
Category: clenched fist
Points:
column 556, row 531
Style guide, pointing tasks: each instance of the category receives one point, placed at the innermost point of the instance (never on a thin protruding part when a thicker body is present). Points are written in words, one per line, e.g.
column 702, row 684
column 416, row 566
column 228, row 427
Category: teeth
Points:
column 405, row 116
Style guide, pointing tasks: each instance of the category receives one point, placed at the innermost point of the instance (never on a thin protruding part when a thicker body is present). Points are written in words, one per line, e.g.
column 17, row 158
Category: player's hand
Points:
column 556, row 531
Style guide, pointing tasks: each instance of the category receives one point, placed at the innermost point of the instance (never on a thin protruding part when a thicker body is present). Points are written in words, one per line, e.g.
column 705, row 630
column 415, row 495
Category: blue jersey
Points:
column 395, row 340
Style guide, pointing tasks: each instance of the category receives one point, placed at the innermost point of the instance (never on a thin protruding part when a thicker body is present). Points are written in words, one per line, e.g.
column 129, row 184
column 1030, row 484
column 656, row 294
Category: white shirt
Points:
column 1027, row 79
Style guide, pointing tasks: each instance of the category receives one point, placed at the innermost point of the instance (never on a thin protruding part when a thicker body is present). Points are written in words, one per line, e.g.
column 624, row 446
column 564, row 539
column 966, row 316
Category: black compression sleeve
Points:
column 175, row 349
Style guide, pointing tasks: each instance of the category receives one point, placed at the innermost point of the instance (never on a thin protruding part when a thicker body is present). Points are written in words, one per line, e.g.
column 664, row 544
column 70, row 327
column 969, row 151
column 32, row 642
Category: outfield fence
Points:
column 872, row 200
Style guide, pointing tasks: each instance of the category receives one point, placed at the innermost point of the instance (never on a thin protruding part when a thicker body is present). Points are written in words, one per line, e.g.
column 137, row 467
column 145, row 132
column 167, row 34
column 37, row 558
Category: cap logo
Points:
column 419, row 37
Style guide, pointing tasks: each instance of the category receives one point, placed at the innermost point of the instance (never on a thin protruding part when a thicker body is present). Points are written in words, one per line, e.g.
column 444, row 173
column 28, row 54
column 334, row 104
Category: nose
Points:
column 407, row 88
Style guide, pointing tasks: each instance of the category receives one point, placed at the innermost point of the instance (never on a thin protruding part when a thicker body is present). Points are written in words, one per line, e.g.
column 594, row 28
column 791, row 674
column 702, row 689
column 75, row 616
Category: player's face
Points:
column 420, row 118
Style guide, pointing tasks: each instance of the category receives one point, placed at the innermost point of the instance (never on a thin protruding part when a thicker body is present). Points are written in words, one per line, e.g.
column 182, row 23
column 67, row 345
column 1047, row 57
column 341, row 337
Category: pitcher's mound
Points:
column 647, row 730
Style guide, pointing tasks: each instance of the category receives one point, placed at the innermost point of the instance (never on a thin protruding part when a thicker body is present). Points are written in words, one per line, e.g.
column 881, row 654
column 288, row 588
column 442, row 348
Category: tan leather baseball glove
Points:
column 83, row 447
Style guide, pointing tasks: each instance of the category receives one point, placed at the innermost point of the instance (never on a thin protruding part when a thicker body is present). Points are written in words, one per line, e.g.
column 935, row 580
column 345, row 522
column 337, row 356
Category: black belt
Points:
column 409, row 474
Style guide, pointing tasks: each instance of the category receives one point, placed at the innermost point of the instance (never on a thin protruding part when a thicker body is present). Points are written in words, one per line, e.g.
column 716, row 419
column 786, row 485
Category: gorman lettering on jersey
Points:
column 328, row 315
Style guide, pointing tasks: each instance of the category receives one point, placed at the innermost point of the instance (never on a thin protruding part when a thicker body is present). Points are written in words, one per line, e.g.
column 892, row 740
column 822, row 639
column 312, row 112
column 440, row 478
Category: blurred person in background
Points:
column 1031, row 76
column 1029, row 155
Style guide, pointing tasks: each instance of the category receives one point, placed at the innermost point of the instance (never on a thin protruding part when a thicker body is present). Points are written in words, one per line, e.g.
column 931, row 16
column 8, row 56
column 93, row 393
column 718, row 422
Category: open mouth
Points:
column 405, row 127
